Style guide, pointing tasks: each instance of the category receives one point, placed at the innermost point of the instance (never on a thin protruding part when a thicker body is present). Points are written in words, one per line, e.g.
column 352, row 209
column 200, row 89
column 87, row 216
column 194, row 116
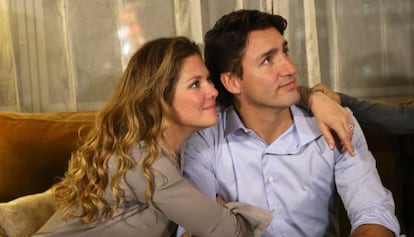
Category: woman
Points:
column 125, row 179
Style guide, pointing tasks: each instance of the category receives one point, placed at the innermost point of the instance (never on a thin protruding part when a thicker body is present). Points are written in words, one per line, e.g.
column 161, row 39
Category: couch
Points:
column 35, row 148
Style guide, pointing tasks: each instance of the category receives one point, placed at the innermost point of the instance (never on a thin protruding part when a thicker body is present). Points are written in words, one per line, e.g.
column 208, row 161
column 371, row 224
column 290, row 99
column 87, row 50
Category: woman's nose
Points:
column 212, row 90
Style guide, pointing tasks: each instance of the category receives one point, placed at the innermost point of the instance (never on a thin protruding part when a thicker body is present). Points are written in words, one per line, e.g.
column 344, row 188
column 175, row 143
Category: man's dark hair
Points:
column 226, row 41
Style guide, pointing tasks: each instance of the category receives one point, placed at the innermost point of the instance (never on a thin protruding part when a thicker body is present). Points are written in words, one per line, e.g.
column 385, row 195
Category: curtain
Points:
column 67, row 55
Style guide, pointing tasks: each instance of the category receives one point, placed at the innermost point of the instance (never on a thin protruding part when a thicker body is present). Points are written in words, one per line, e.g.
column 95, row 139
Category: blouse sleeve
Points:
column 177, row 199
column 396, row 119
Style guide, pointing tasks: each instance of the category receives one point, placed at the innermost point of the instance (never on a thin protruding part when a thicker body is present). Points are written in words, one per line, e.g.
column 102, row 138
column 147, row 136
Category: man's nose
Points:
column 287, row 67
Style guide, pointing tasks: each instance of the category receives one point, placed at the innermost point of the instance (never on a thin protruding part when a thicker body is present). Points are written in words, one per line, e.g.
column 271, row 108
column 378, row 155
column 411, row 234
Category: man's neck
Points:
column 268, row 123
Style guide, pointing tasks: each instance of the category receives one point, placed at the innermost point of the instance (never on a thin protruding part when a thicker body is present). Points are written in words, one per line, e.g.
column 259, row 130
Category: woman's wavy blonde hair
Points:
column 137, row 111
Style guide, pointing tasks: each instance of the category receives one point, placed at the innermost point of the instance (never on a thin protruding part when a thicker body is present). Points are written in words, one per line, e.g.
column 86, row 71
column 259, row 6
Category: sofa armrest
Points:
column 25, row 215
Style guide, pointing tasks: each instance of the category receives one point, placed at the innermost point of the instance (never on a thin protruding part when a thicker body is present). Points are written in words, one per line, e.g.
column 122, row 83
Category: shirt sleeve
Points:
column 177, row 199
column 199, row 164
column 396, row 119
column 358, row 183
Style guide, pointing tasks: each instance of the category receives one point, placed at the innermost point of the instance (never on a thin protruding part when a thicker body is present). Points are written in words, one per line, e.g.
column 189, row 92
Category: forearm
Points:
column 330, row 116
column 305, row 95
column 372, row 230
column 396, row 119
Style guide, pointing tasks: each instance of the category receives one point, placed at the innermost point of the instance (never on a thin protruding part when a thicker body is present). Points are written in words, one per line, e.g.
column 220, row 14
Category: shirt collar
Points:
column 232, row 121
column 305, row 124
column 304, row 127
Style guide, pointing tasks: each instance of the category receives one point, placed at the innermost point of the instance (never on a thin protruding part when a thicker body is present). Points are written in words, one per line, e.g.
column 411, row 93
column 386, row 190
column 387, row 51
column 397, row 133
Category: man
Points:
column 396, row 119
column 268, row 152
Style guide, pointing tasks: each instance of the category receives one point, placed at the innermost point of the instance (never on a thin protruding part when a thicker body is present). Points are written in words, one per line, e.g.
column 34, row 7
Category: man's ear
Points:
column 231, row 82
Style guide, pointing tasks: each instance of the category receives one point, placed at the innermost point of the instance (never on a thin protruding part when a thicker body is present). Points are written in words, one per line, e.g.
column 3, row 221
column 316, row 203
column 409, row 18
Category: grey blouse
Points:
column 178, row 202
column 396, row 119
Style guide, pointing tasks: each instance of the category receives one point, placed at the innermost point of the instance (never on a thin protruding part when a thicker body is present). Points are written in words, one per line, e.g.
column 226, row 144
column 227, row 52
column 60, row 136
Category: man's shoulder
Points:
column 303, row 119
column 209, row 133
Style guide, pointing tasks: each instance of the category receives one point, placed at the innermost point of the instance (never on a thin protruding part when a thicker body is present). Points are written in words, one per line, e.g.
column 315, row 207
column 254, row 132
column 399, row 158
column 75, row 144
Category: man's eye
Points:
column 266, row 60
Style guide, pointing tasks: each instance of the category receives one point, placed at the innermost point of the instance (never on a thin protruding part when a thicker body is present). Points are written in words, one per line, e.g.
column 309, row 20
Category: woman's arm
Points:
column 333, row 120
column 177, row 199
column 396, row 119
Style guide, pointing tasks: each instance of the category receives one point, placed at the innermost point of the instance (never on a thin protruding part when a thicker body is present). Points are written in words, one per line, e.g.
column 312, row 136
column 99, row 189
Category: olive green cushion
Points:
column 25, row 215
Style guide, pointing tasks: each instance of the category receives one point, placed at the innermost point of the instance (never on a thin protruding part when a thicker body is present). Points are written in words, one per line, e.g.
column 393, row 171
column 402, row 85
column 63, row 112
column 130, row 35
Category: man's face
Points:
column 269, row 76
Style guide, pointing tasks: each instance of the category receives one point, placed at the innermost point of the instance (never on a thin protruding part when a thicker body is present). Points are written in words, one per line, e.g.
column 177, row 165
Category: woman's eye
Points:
column 196, row 84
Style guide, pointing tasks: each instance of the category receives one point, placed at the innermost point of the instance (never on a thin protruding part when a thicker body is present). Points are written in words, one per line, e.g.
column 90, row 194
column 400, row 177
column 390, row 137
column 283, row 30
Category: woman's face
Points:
column 194, row 101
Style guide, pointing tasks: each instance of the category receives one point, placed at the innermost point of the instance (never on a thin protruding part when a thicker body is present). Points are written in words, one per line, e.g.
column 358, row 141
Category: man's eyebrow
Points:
column 268, row 53
column 273, row 51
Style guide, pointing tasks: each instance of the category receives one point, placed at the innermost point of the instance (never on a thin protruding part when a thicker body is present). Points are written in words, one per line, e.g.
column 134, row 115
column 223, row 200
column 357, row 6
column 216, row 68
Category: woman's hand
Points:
column 220, row 200
column 332, row 94
column 331, row 116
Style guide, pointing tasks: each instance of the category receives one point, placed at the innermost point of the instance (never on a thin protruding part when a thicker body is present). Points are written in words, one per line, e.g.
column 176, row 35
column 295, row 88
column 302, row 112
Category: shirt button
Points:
column 275, row 209
column 270, row 179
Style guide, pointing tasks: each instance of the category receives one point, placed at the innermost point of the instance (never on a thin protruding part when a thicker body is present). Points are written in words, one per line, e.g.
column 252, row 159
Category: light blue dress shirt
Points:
column 295, row 177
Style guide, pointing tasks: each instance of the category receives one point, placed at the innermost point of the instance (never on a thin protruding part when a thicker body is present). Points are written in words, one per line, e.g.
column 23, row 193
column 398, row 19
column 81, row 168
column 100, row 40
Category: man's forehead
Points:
column 264, row 35
column 260, row 41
